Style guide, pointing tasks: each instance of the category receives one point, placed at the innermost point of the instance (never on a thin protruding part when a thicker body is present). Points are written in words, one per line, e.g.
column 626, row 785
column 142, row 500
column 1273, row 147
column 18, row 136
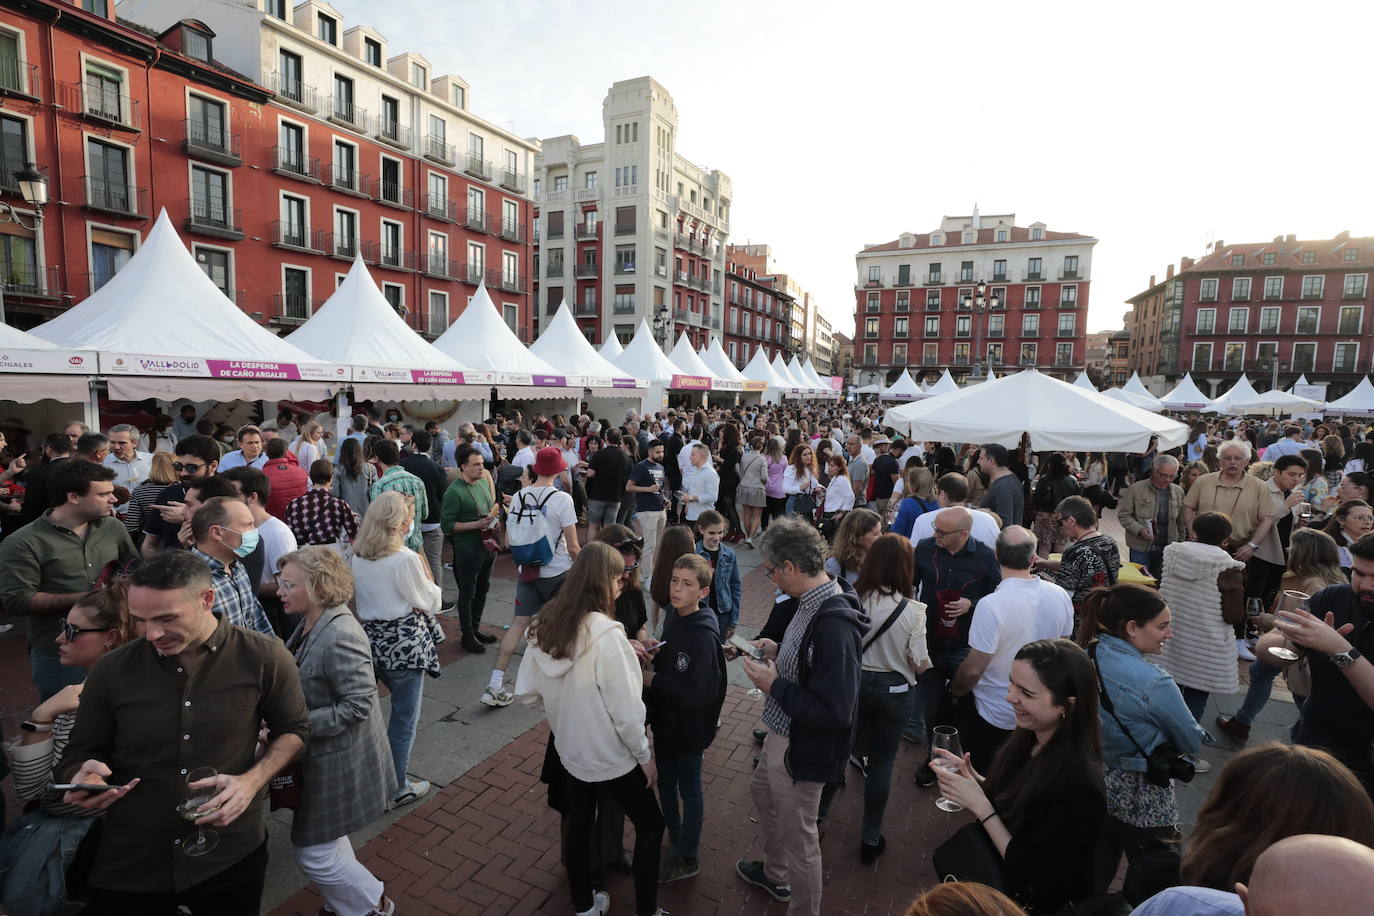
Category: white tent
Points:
column 1130, row 397
column 904, row 388
column 992, row 376
column 32, row 369
column 1136, row 387
column 1359, row 402
column 564, row 348
column 1084, row 382
column 810, row 369
column 798, row 373
column 719, row 363
column 1186, row 396
column 790, row 381
column 1302, row 380
column 1243, row 399
column 611, row 348
column 688, row 363
column 645, row 359
column 1058, row 416
column 944, row 385
column 758, row 369
column 868, row 389
column 161, row 319
column 481, row 339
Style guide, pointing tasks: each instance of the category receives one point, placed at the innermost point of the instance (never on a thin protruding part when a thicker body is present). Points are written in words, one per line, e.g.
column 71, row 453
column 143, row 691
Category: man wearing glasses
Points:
column 197, row 457
column 1092, row 560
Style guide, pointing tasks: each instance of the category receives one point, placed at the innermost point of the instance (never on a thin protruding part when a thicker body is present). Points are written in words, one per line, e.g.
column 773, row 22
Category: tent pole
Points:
column 92, row 406
column 343, row 420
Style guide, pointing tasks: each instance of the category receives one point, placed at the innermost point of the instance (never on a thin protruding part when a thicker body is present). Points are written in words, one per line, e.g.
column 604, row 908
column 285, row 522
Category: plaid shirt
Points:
column 235, row 598
column 316, row 517
column 402, row 481
column 789, row 652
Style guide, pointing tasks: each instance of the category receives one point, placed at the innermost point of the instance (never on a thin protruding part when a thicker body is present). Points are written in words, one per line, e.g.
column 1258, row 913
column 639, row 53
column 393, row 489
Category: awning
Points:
column 394, row 392
column 536, row 393
column 69, row 389
column 172, row 388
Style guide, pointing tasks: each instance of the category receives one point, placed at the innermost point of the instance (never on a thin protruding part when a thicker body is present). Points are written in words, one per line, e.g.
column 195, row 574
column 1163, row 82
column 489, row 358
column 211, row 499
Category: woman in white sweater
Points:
column 397, row 599
column 310, row 447
column 581, row 664
column 801, row 476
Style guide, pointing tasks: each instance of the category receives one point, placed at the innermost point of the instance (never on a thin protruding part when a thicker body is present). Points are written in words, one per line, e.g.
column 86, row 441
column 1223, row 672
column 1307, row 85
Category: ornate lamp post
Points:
column 33, row 187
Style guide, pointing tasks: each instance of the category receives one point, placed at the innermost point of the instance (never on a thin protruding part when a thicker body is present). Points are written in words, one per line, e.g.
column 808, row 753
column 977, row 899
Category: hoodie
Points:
column 593, row 700
column 1199, row 582
column 688, row 689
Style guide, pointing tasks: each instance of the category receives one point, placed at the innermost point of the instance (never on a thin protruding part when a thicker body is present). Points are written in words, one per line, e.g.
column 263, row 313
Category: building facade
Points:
column 1117, row 369
column 758, row 315
column 1272, row 310
column 915, row 300
column 809, row 333
column 628, row 228
column 282, row 145
column 1095, row 355
column 844, row 356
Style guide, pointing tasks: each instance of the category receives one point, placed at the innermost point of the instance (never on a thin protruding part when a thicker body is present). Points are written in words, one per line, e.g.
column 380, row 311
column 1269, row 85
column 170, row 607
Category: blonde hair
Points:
column 919, row 483
column 384, row 527
column 328, row 580
column 161, row 470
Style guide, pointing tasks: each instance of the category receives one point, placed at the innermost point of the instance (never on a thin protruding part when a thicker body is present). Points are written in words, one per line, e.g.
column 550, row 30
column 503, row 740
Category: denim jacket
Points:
column 727, row 585
column 1147, row 700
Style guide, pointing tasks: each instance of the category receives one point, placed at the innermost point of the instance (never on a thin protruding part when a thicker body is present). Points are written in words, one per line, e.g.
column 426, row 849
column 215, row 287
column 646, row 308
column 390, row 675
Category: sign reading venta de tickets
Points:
column 48, row 361
column 197, row 367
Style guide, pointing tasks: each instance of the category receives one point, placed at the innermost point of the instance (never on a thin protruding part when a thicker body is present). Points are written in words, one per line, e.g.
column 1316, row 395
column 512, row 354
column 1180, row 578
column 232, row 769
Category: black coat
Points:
column 688, row 688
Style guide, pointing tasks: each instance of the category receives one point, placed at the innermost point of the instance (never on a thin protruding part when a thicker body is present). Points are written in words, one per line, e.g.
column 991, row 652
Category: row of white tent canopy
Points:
column 1240, row 399
column 161, row 328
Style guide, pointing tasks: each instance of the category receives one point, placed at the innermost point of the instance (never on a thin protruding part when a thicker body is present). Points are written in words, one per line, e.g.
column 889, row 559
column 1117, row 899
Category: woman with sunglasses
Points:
column 630, row 608
column 98, row 623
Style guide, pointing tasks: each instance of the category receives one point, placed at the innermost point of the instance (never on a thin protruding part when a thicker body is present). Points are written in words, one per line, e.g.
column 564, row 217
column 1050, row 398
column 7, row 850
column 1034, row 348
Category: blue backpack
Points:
column 527, row 532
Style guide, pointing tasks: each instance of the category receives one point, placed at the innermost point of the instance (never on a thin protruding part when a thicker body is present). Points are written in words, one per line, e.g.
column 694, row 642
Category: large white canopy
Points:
column 798, row 373
column 1187, row 396
column 686, row 359
column 1136, row 387
column 563, row 347
column 481, row 339
column 645, row 359
column 1130, row 397
column 758, row 369
column 945, row 384
column 1058, row 416
column 1302, row 380
column 1243, row 399
column 868, row 389
column 904, row 388
column 1360, row 401
column 719, row 363
column 611, row 348
column 1084, row 382
column 810, row 369
column 789, row 381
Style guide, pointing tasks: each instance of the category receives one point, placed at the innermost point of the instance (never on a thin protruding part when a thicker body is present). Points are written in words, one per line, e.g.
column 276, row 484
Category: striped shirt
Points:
column 402, row 481
column 236, row 600
column 789, row 653
column 33, row 765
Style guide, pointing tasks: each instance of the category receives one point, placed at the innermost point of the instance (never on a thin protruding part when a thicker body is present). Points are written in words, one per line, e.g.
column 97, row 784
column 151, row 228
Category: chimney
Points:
column 1291, row 238
column 1343, row 235
column 1152, row 281
column 1218, row 245
column 1278, row 240
column 1184, row 264
column 1169, row 272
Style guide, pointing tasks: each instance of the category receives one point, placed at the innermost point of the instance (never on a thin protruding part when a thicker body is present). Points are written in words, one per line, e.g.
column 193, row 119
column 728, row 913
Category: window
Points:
column 511, row 314
column 1268, row 259
column 1202, row 357
column 1354, row 286
column 1312, row 287
column 215, row 263
column 395, row 295
column 390, row 125
column 1071, row 266
column 419, row 76
column 996, row 325
column 1068, row 295
column 210, row 197
column 391, row 243
column 1001, row 237
column 510, row 218
column 372, row 51
column 1350, row 254
column 1067, row 321
column 1304, row 357
column 900, row 328
column 1238, row 321
column 1269, row 320
column 345, row 173
column 1037, row 234
column 1032, row 297
column 870, row 354
column 966, row 272
column 625, row 259
column 1352, row 316
column 538, row 186
column 1028, row 351
column 206, row 123
column 109, row 252
column 1208, row 291
column 935, row 272
column 999, row 270
column 105, row 93
column 1034, row 271
column 295, row 284
column 195, row 44
column 1030, row 325
column 277, row 8
column 554, row 222
column 1063, row 354
column 438, row 253
column 904, row 301
column 875, row 274
column 962, row 325
column 899, row 354
column 326, row 29
column 477, row 207
column 1309, row 318
column 1206, row 321
column 560, row 183
column 1237, row 260
column 477, row 261
column 460, row 97
column 936, row 239
column 477, row 147
column 1234, row 360
column 933, row 326
column 930, row 354
column 1240, row 289
column 1309, row 257
column 589, row 180
column 437, row 318
column 510, row 269
column 345, row 233
column 624, row 220
column 1273, row 288
column 108, row 177
column 295, row 226
column 870, row 327
column 1346, row 356
column 872, row 304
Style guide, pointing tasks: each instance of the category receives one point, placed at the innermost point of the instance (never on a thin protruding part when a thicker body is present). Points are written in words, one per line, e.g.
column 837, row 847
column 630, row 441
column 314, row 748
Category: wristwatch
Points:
column 1343, row 660
column 31, row 726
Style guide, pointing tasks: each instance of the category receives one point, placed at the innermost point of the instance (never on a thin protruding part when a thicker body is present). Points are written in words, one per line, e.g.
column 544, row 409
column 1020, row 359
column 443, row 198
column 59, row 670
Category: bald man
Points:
column 955, row 572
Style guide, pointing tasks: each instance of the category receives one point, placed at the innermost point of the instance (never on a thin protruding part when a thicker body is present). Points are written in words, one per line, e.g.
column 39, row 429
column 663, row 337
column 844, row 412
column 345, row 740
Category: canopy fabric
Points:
column 162, row 304
column 798, row 373
column 22, row 352
column 1058, row 416
column 1359, row 401
column 23, row 388
column 1186, row 396
column 810, row 369
column 643, row 358
column 784, row 373
column 904, row 387
column 719, row 363
column 944, row 385
column 1302, row 380
column 481, row 339
column 686, row 359
column 758, row 369
column 1136, row 387
column 563, row 347
column 611, row 348
column 356, row 326
column 1084, row 382
column 13, row 338
column 1129, row 397
column 1243, row 399
column 868, row 389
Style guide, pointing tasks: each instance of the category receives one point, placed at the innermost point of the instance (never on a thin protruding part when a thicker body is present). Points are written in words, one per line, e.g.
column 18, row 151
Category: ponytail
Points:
column 1108, row 610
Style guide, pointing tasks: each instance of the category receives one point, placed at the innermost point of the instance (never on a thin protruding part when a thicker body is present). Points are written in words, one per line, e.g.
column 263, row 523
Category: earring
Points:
column 1062, row 716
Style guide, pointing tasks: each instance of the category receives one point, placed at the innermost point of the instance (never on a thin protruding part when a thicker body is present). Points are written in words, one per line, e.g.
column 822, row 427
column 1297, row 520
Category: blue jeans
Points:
column 881, row 717
column 946, row 655
column 1261, row 686
column 679, row 776
column 472, row 568
column 407, row 690
column 50, row 675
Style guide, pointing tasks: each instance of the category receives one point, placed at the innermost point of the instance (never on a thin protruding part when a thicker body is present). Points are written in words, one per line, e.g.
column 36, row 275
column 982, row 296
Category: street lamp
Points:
column 33, row 187
column 662, row 326
column 979, row 303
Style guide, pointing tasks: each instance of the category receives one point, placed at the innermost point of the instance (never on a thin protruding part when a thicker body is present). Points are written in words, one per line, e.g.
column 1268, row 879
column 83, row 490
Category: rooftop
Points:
column 985, row 236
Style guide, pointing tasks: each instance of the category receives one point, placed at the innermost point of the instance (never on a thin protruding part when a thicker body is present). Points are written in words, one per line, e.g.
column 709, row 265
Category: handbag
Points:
column 804, row 504
column 1161, row 764
column 285, row 789
column 969, row 855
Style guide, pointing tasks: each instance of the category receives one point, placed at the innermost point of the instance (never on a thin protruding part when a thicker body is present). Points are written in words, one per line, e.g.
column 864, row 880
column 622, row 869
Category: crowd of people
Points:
column 210, row 612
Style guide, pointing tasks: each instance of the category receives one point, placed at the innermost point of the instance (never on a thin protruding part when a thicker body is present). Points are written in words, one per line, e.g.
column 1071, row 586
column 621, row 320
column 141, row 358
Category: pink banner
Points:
column 228, row 368
column 691, row 381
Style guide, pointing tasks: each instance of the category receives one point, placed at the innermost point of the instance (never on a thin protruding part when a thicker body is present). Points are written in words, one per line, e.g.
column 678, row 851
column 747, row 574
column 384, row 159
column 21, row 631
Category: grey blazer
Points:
column 347, row 770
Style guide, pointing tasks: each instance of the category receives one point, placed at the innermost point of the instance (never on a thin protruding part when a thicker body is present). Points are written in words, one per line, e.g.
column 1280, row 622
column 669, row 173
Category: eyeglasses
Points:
column 283, row 584
column 69, row 631
column 192, row 466
column 770, row 571
column 628, row 544
column 1065, row 518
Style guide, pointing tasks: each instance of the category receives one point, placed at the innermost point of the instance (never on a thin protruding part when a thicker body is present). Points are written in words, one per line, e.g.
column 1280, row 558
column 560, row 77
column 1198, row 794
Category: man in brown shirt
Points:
column 1241, row 497
column 191, row 693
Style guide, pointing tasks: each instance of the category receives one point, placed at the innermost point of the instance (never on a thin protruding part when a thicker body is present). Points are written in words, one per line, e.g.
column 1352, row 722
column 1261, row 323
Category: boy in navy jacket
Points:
column 685, row 689
column 726, row 592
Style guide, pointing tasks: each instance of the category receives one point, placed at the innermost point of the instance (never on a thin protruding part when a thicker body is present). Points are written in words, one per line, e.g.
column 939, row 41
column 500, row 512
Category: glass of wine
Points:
column 200, row 789
column 1305, row 511
column 947, row 738
column 1292, row 600
column 1254, row 607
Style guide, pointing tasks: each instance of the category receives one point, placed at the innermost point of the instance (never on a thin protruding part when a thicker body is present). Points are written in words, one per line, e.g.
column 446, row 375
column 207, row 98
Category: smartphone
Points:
column 653, row 644
column 80, row 787
column 746, row 647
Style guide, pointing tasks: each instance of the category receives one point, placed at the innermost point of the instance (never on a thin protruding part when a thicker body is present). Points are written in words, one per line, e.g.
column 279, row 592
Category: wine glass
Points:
column 1292, row 600
column 947, row 738
column 1254, row 607
column 201, row 787
column 1305, row 511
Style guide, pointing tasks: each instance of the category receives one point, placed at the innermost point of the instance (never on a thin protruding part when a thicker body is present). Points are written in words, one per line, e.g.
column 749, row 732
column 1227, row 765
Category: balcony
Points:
column 1353, row 293
column 585, row 271
column 903, row 281
column 441, row 208
column 1312, row 294
column 381, row 255
column 477, row 167
column 115, row 197
column 478, row 220
column 963, row 333
column 624, row 306
column 927, row 360
column 475, row 272
column 1033, row 275
column 582, row 232
column 437, row 264
column 1069, row 273
column 211, row 217
column 341, row 245
column 661, row 270
column 344, row 113
column 392, row 133
column 1063, row 362
column 218, row 146
column 512, row 181
column 288, row 309
column 900, row 333
column 293, row 163
column 680, row 277
column 870, row 359
column 624, row 268
column 999, row 277
column 1068, row 303
column 98, row 102
column 554, row 271
column 1066, row 332
column 625, row 229
column 28, row 281
column 512, row 231
column 681, row 315
column 293, row 92
column 961, row 360
column 390, row 193
column 18, row 77
column 870, row 283
column 1207, row 297
column 436, row 150
column 349, row 181
column 934, row 280
column 585, row 310
column 932, row 332
column 297, row 237
column 1343, row 365
column 995, row 333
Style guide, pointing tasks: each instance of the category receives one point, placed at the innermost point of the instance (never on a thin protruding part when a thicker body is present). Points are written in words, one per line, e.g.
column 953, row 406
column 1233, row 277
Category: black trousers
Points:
column 980, row 739
column 236, row 891
column 632, row 793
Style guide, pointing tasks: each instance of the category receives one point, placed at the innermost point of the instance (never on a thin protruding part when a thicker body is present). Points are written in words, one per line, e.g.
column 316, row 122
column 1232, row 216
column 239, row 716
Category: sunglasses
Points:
column 627, row 544
column 192, row 467
column 69, row 631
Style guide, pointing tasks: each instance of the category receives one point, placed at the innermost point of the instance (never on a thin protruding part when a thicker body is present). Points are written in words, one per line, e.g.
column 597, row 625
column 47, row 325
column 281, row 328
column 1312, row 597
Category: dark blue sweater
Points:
column 688, row 689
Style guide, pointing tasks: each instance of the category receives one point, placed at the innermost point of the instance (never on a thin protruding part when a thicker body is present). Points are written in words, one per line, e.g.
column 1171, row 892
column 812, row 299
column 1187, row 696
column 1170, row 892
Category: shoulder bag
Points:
column 1161, row 764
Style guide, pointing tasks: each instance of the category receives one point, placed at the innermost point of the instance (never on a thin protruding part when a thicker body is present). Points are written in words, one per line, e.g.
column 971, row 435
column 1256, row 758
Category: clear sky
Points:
column 1156, row 127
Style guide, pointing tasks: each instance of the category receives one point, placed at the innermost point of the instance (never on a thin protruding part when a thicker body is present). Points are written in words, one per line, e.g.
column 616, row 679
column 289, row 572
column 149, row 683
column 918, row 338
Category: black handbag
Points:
column 1161, row 764
column 969, row 855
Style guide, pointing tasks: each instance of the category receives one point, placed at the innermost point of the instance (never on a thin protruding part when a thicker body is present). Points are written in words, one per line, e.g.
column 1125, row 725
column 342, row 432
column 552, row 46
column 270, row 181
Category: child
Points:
column 724, row 598
column 686, row 688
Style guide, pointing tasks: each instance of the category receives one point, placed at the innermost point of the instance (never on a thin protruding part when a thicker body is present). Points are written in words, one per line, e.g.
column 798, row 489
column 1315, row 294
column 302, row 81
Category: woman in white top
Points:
column 856, row 533
column 800, row 477
column 581, row 664
column 839, row 495
column 396, row 600
column 894, row 652
column 310, row 447
column 1351, row 521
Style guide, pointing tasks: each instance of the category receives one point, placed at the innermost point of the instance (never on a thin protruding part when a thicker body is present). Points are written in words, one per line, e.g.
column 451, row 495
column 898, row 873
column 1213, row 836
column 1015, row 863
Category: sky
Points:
column 1155, row 128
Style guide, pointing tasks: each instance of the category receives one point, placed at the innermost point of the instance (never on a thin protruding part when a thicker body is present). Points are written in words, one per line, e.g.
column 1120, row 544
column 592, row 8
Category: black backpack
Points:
column 508, row 479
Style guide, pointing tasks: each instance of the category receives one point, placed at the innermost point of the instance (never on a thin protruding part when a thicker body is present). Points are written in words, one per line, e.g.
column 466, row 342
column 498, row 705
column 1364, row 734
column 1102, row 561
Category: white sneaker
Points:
column 415, row 790
column 497, row 698
column 1243, row 651
column 1200, row 766
column 601, row 902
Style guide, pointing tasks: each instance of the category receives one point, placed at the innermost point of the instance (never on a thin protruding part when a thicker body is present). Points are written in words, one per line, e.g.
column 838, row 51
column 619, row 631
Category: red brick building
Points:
column 916, row 305
column 1300, row 307
column 757, row 316
column 275, row 191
